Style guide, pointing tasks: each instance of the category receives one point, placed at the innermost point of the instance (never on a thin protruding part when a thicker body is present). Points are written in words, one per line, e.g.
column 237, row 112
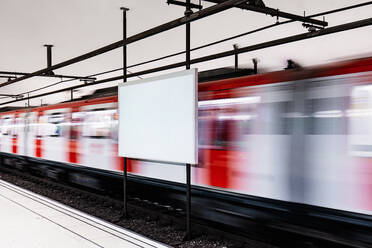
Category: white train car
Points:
column 300, row 136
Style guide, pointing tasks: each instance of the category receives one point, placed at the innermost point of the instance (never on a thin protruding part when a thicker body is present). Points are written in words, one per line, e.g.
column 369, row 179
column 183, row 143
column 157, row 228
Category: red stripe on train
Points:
column 14, row 144
column 73, row 151
column 38, row 147
column 15, row 137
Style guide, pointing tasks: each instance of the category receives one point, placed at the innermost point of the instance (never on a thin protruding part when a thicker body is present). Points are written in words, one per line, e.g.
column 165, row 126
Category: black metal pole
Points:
column 188, row 12
column 49, row 58
column 188, row 201
column 125, row 210
column 124, row 43
column 255, row 65
column 236, row 57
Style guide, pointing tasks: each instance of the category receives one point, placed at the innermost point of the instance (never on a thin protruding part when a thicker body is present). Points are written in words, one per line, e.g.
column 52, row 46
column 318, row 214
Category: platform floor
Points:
column 30, row 220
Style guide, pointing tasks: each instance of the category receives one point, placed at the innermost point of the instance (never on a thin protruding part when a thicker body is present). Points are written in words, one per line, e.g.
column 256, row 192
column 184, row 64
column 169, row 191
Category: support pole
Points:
column 125, row 169
column 188, row 202
column 125, row 210
column 188, row 12
column 124, row 43
column 255, row 65
column 49, row 59
column 236, row 55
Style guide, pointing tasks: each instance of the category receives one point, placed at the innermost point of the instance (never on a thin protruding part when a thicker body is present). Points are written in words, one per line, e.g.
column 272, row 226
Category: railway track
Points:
column 154, row 214
column 164, row 220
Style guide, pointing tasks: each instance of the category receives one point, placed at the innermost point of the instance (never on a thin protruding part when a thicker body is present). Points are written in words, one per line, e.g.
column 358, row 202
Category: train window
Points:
column 275, row 118
column 223, row 122
column 326, row 116
column 360, row 111
column 225, row 130
column 19, row 126
column 7, row 126
column 204, row 134
column 56, row 125
column 115, row 126
column 231, row 125
column 76, row 119
column 98, row 124
column 206, row 119
column 32, row 122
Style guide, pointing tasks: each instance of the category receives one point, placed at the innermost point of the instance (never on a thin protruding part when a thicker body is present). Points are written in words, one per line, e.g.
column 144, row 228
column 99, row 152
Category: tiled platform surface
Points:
column 33, row 221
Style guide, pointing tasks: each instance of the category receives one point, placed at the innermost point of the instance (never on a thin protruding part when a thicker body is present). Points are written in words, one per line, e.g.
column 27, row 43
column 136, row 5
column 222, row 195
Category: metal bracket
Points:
column 87, row 80
column 190, row 5
column 312, row 28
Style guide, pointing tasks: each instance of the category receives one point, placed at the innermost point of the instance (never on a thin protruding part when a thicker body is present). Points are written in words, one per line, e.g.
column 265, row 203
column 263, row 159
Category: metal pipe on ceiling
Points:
column 148, row 33
column 290, row 39
column 276, row 12
column 45, row 75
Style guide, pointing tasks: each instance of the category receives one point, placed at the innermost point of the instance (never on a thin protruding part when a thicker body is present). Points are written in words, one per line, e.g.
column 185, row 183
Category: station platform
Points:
column 30, row 220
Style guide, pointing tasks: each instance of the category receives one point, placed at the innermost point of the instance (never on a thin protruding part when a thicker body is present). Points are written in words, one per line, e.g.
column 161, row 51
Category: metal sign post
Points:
column 188, row 12
column 165, row 131
column 125, row 210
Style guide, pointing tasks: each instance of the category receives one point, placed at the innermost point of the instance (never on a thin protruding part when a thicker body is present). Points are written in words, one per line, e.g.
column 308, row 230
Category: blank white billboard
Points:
column 158, row 118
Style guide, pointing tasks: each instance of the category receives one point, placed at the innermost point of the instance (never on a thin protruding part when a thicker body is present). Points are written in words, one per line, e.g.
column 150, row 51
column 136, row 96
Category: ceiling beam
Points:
column 9, row 77
column 140, row 36
column 12, row 74
column 276, row 12
column 14, row 96
column 290, row 39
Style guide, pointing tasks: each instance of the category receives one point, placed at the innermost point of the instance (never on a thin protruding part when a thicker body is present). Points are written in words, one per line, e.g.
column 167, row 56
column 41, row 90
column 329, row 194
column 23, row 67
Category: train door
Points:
column 360, row 142
column 40, row 132
column 223, row 126
column 56, row 131
column 243, row 140
column 76, row 118
column 7, row 135
column 270, row 141
column 20, row 125
column 31, row 130
column 326, row 170
column 97, row 144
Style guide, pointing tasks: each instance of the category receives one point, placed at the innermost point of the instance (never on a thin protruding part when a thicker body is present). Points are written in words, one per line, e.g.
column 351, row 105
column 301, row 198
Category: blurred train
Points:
column 302, row 135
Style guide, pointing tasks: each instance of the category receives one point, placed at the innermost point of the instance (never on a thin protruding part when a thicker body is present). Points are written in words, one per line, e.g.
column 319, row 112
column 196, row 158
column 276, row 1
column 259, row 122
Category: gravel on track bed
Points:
column 160, row 229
